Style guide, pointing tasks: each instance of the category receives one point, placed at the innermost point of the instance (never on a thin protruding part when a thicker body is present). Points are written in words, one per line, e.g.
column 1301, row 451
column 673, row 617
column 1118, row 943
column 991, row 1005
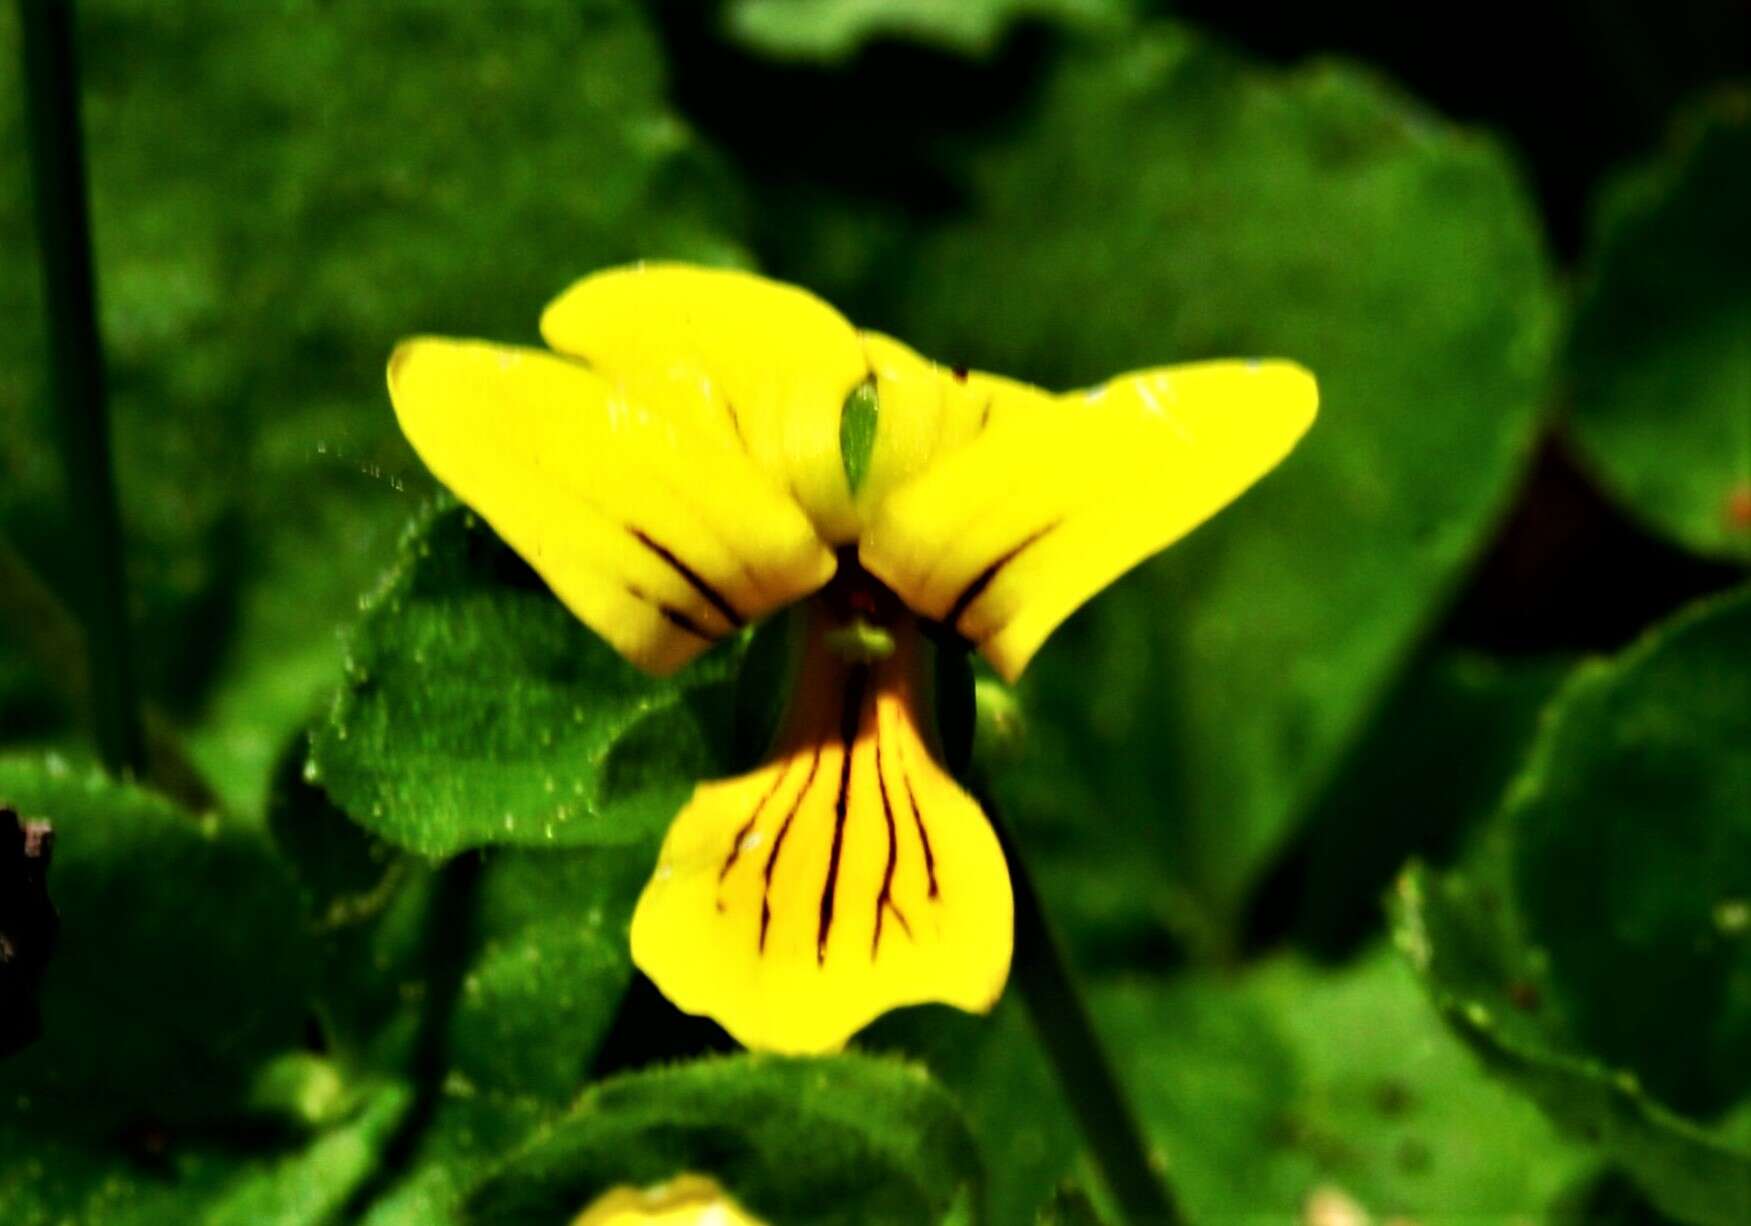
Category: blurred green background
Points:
column 1491, row 621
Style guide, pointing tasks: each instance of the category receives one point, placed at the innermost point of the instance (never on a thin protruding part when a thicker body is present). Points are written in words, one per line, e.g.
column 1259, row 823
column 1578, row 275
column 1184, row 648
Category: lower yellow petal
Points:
column 686, row 1200
column 847, row 876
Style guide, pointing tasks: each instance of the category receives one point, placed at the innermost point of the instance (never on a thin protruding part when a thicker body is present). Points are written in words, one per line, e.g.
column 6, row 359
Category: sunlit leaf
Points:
column 478, row 711
column 848, row 1139
column 828, row 30
column 1294, row 1081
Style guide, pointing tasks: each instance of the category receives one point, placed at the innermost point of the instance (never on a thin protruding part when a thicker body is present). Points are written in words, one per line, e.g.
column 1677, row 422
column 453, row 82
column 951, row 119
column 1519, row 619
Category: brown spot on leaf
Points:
column 1738, row 509
column 1524, row 994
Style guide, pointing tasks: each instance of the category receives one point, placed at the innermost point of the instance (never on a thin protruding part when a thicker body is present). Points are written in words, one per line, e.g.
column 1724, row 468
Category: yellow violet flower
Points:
column 686, row 1200
column 674, row 470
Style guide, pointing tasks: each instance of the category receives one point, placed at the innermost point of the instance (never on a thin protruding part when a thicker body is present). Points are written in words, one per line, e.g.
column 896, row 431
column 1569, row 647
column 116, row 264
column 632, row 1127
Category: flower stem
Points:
column 1085, row 1073
column 76, row 372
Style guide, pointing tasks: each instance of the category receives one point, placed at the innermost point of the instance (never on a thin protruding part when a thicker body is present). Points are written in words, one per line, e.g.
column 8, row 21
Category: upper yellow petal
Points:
column 924, row 410
column 847, row 876
column 756, row 361
column 1005, row 536
column 660, row 538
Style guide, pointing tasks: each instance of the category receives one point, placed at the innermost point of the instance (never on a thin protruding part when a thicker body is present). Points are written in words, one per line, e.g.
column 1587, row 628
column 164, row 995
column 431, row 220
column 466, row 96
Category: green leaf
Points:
column 1659, row 358
column 1630, row 837
column 1295, row 1081
column 849, row 1139
column 470, row 1134
column 479, row 711
column 182, row 963
column 538, row 962
column 62, row 1172
column 1166, row 202
column 830, row 30
column 554, row 960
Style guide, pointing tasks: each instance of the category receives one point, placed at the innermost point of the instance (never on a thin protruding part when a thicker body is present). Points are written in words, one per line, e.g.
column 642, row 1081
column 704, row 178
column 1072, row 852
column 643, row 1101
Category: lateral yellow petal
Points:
column 848, row 876
column 1005, row 537
column 686, row 1200
column 751, row 359
column 660, row 539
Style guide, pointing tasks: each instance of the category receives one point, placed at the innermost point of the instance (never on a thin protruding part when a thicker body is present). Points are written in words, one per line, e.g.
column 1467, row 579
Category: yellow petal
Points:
column 766, row 364
column 686, row 1200
column 660, row 538
column 1004, row 537
column 923, row 411
column 847, row 876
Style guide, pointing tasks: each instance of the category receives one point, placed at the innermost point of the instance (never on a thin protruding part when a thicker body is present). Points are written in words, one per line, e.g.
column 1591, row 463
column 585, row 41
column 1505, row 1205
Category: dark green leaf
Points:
column 1631, row 840
column 479, row 711
column 182, row 961
column 850, row 1140
column 1592, row 947
column 1434, row 764
column 59, row 1171
column 1069, row 1206
column 554, row 961
column 468, row 1136
column 537, row 975
column 1458, row 934
column 1659, row 359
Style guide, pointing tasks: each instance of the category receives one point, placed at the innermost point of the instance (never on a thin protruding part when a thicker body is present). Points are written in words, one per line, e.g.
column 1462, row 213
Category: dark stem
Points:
column 1085, row 1073
column 452, row 931
column 76, row 372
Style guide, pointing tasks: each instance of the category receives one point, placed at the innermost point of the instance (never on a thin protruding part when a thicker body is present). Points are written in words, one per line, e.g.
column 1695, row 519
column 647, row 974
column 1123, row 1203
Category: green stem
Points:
column 76, row 372
column 1085, row 1073
column 33, row 617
